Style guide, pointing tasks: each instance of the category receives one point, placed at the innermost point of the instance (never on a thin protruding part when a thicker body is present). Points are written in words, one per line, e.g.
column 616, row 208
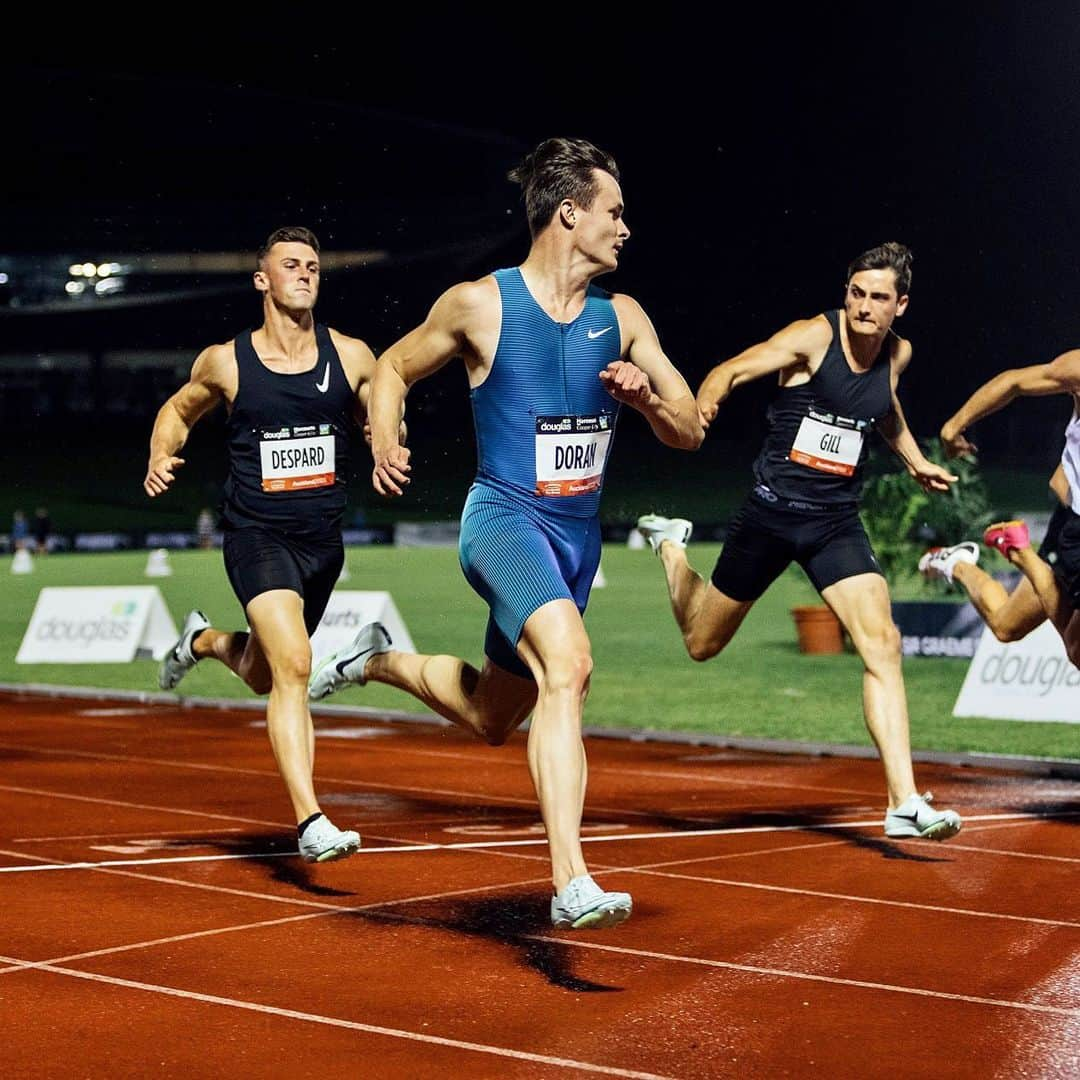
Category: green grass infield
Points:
column 761, row 686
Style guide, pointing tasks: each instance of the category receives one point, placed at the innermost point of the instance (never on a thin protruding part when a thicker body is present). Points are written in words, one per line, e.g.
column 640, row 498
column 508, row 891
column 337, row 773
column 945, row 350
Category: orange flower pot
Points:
column 818, row 629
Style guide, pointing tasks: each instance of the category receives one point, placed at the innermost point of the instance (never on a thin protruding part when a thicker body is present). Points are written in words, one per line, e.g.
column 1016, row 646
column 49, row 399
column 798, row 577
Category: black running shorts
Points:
column 258, row 560
column 764, row 537
column 1049, row 547
column 1067, row 564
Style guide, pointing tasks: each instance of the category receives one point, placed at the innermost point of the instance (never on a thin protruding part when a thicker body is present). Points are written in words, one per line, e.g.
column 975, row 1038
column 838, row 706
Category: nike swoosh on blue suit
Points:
column 522, row 545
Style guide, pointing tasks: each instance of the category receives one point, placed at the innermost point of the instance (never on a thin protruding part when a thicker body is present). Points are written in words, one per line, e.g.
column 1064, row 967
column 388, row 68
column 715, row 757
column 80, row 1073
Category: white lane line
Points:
column 374, row 785
column 139, row 806
column 862, row 899
column 323, row 910
column 352, row 1025
column 137, row 835
column 783, row 973
column 1014, row 854
column 405, row 847
column 660, row 774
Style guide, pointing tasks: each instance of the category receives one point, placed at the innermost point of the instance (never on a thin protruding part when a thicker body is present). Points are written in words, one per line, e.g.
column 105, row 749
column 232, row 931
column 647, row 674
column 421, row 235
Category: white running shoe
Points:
column 657, row 529
column 347, row 665
column 179, row 660
column 941, row 562
column 583, row 905
column 915, row 817
column 323, row 841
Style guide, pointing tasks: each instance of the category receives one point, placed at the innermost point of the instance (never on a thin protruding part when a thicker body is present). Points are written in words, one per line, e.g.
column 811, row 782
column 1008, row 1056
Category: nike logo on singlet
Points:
column 598, row 333
column 323, row 386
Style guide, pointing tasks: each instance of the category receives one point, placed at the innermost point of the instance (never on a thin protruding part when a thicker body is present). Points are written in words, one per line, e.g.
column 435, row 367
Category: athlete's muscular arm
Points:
column 797, row 345
column 359, row 363
column 443, row 335
column 646, row 380
column 213, row 379
column 1060, row 376
column 895, row 431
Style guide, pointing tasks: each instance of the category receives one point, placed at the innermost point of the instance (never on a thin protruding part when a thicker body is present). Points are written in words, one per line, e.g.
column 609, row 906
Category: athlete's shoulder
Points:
column 214, row 362
column 463, row 304
column 350, row 348
column 808, row 334
column 901, row 353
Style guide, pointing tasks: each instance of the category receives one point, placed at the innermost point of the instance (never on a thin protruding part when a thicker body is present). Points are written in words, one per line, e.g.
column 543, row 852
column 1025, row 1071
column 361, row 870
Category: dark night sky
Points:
column 758, row 157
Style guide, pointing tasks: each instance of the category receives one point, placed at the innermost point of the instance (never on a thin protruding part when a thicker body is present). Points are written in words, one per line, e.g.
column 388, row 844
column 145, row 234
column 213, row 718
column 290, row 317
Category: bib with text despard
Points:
column 571, row 452
column 297, row 458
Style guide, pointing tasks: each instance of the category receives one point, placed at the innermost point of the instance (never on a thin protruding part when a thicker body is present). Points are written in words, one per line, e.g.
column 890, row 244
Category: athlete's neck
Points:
column 862, row 349
column 558, row 279
column 288, row 334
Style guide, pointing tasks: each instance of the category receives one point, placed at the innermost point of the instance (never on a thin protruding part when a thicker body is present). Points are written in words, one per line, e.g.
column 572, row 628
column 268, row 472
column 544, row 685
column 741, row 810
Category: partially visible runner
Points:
column 1009, row 615
column 1057, row 586
column 294, row 390
column 838, row 375
column 550, row 357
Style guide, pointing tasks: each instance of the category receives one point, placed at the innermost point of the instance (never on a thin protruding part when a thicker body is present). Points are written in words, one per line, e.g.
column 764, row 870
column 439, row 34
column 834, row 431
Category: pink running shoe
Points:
column 1007, row 536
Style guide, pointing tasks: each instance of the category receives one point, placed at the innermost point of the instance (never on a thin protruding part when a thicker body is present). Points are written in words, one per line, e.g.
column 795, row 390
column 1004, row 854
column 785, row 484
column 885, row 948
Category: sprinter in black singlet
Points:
column 294, row 390
column 838, row 376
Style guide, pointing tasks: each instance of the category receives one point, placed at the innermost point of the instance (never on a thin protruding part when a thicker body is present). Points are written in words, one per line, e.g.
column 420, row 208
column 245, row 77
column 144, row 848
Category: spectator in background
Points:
column 42, row 530
column 20, row 531
column 204, row 528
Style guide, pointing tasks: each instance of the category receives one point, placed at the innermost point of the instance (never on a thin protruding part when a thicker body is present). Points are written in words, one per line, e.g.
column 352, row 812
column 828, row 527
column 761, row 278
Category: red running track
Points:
column 156, row 920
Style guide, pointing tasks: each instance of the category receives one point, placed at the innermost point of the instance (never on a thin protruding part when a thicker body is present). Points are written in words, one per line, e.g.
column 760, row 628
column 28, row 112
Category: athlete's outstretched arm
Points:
column 421, row 352
column 175, row 419
column 895, row 431
column 1060, row 376
column 646, row 380
column 788, row 348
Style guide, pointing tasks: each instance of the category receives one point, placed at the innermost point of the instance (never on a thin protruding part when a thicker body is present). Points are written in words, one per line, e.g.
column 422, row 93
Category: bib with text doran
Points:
column 828, row 443
column 571, row 452
column 297, row 458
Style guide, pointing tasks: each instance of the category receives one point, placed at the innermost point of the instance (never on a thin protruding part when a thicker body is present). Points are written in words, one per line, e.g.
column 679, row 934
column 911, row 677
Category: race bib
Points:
column 830, row 444
column 297, row 458
column 571, row 452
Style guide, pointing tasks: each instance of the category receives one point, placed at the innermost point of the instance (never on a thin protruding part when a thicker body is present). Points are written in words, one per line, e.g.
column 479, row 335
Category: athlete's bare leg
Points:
column 1041, row 576
column 556, row 647
column 239, row 651
column 707, row 618
column 862, row 605
column 1056, row 605
column 277, row 619
column 489, row 703
column 1010, row 615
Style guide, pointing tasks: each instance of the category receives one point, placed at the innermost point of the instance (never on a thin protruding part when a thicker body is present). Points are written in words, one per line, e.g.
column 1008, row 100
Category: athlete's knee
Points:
column 496, row 728
column 294, row 665
column 1007, row 632
column 702, row 648
column 570, row 671
column 881, row 646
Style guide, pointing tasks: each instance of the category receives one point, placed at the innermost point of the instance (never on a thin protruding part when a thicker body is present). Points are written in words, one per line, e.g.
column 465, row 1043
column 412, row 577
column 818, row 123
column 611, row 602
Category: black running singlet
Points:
column 288, row 439
column 816, row 446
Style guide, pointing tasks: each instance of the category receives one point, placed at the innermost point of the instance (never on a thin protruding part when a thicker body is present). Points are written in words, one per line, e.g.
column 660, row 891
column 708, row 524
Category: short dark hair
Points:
column 289, row 234
column 891, row 256
column 559, row 169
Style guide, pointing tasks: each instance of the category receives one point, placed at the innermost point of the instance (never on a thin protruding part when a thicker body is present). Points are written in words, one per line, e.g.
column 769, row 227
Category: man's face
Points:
column 290, row 274
column 871, row 302
column 600, row 231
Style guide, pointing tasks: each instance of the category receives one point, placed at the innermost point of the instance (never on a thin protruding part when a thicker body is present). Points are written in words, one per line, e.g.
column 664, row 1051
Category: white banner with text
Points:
column 1030, row 679
column 347, row 612
column 91, row 625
